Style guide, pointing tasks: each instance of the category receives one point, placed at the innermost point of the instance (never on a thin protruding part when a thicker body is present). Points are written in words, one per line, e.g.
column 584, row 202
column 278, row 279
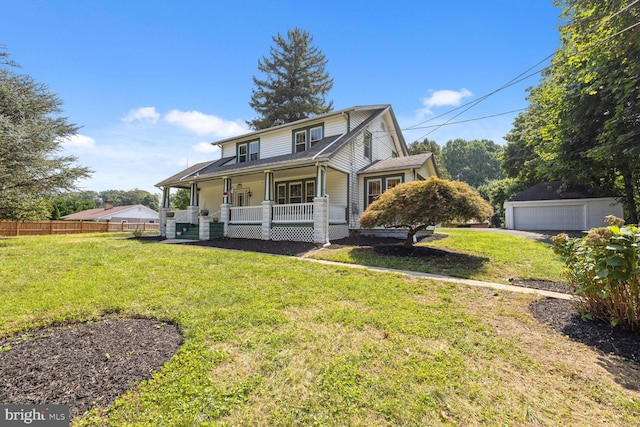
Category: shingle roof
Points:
column 320, row 150
column 397, row 163
column 554, row 191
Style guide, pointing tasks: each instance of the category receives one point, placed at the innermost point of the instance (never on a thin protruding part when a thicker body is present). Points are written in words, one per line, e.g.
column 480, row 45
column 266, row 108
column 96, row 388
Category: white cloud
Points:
column 205, row 124
column 143, row 114
column 78, row 141
column 205, row 147
column 442, row 98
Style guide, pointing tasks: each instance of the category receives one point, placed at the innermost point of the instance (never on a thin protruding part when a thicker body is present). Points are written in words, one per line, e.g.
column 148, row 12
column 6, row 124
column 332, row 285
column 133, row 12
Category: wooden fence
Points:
column 33, row 228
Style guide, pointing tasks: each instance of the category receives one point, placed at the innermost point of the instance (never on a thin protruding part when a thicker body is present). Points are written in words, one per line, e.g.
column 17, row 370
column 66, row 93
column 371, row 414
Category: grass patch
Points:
column 469, row 254
column 282, row 342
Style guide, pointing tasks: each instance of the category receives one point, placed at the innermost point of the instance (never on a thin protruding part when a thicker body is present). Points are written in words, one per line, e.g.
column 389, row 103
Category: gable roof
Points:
column 323, row 149
column 398, row 163
column 102, row 213
column 554, row 191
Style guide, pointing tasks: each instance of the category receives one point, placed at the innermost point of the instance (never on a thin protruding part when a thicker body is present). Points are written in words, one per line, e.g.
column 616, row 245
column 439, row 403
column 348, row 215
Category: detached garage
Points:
column 545, row 207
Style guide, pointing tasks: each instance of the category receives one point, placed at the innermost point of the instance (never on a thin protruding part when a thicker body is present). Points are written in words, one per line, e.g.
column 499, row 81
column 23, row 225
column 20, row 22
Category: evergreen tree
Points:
column 31, row 135
column 296, row 82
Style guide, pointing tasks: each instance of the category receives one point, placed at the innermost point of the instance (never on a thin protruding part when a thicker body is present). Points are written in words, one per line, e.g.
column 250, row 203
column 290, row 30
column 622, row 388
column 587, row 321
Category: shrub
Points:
column 604, row 269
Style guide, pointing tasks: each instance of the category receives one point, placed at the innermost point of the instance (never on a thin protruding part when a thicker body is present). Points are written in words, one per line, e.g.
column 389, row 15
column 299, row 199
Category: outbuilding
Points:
column 552, row 206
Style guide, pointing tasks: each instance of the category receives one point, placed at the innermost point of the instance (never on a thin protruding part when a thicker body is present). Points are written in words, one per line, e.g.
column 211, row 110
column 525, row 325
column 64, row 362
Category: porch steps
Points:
column 187, row 231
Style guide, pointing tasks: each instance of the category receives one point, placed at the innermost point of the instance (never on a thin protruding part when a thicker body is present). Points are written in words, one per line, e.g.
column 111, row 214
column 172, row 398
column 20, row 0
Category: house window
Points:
column 310, row 191
column 367, row 145
column 315, row 134
column 295, row 192
column 374, row 190
column 305, row 138
column 392, row 182
column 376, row 186
column 282, row 194
column 301, row 141
column 248, row 151
column 242, row 153
column 254, row 150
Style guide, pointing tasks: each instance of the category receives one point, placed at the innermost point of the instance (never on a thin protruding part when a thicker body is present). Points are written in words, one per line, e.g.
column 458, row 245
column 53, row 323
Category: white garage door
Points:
column 549, row 217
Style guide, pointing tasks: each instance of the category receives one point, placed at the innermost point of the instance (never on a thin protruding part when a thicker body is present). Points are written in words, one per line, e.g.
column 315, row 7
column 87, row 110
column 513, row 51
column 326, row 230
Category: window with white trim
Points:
column 254, row 150
column 246, row 151
column 378, row 185
column 281, row 197
column 300, row 140
column 315, row 134
column 374, row 190
column 295, row 192
column 367, row 145
column 310, row 191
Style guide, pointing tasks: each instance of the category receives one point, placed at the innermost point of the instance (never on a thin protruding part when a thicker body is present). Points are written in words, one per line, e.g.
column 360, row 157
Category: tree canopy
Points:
column 417, row 205
column 131, row 197
column 427, row 146
column 583, row 119
column 474, row 162
column 295, row 84
column 31, row 136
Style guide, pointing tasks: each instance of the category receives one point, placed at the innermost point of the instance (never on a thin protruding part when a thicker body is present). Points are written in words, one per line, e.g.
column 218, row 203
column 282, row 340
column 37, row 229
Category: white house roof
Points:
column 398, row 163
column 99, row 214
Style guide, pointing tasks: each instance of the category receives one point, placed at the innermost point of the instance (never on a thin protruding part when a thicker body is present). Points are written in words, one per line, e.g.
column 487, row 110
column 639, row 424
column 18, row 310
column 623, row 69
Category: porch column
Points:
column 193, row 203
column 268, row 186
column 225, row 217
column 321, row 179
column 164, row 207
column 321, row 221
column 265, row 230
column 226, row 190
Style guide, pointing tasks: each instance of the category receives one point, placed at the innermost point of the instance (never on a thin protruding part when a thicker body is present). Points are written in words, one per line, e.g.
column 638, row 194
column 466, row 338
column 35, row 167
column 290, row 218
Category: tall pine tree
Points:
column 296, row 83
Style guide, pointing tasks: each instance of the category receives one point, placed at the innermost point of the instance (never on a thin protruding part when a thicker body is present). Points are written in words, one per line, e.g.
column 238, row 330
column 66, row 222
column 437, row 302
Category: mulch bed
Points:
column 84, row 365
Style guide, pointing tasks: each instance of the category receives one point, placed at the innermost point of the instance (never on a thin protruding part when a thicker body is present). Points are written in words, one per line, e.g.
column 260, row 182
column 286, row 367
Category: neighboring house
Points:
column 303, row 181
column 127, row 214
column 547, row 206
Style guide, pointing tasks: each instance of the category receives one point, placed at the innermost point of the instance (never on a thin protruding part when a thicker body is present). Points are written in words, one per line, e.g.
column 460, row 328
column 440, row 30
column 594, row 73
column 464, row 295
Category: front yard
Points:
column 279, row 341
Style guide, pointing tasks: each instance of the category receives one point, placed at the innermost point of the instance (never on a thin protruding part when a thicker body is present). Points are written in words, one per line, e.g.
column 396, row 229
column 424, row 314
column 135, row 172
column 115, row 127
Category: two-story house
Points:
column 303, row 181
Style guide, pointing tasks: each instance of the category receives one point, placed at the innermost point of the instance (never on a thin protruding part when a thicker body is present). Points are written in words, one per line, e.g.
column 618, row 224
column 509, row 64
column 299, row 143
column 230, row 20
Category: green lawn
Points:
column 476, row 255
column 275, row 341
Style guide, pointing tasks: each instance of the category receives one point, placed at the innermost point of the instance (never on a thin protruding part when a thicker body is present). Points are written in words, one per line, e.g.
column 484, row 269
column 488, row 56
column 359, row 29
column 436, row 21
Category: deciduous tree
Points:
column 417, row 205
column 474, row 162
column 295, row 84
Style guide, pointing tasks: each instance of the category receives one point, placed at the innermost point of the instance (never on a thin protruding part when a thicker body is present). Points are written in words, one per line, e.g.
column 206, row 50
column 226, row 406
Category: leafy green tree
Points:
column 497, row 192
column 131, row 197
column 417, row 205
column 474, row 162
column 427, row 146
column 68, row 203
column 181, row 199
column 583, row 120
column 31, row 135
column 296, row 82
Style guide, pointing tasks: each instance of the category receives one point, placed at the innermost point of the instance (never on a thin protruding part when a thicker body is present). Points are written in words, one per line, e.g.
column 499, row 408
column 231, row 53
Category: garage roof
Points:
column 554, row 190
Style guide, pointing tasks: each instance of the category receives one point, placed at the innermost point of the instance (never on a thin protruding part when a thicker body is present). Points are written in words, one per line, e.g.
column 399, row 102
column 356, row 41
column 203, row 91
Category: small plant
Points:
column 137, row 233
column 604, row 268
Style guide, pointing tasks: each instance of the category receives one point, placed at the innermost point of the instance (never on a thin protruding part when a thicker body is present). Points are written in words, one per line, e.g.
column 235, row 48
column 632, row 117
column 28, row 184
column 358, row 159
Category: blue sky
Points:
column 153, row 83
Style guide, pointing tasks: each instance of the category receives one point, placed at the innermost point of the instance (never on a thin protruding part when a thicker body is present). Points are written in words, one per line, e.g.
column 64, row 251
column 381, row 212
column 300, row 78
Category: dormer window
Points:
column 247, row 151
column 303, row 139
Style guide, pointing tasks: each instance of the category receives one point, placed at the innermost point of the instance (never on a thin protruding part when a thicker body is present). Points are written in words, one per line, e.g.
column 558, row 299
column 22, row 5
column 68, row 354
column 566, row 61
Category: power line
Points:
column 469, row 120
column 516, row 79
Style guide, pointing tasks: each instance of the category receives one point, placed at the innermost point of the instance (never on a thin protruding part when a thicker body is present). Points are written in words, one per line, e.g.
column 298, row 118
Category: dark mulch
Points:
column 562, row 315
column 84, row 365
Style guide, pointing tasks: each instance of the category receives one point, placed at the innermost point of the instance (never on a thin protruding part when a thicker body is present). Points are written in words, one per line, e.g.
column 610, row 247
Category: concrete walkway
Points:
column 478, row 283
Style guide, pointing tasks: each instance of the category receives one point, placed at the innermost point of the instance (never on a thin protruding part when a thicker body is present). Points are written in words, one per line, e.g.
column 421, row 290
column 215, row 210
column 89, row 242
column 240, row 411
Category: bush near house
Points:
column 604, row 268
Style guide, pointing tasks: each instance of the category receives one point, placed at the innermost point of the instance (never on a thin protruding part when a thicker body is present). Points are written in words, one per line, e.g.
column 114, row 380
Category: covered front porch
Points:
column 291, row 205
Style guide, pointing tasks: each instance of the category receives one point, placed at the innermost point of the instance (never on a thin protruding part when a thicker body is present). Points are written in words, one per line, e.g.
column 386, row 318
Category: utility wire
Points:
column 516, row 79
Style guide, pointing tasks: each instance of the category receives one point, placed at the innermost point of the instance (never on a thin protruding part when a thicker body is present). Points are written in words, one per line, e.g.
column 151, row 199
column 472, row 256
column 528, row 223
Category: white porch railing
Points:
column 246, row 214
column 337, row 214
column 295, row 212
